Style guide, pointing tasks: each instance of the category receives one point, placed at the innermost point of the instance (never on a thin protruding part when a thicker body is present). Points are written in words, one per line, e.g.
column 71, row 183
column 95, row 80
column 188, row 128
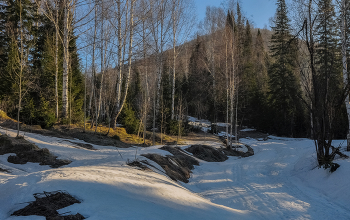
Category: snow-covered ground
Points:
column 203, row 124
column 281, row 181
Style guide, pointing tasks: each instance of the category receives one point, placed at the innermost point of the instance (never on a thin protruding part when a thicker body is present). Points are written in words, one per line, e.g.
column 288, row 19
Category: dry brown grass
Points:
column 6, row 121
column 103, row 135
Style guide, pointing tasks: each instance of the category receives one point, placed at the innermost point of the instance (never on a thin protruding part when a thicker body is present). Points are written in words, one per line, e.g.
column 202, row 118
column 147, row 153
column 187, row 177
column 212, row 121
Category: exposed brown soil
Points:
column 28, row 152
column 47, row 203
column 207, row 153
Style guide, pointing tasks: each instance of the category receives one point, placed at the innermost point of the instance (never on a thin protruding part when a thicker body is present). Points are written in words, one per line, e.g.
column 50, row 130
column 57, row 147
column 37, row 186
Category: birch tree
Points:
column 122, row 36
column 182, row 22
column 213, row 22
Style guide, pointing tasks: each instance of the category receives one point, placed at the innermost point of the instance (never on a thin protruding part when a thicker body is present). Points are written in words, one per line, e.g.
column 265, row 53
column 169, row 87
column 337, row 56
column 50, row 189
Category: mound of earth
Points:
column 28, row 152
column 47, row 203
column 177, row 166
column 207, row 153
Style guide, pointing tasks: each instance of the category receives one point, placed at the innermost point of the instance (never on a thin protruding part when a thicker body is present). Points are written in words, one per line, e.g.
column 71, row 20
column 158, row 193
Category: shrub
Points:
column 129, row 119
column 174, row 128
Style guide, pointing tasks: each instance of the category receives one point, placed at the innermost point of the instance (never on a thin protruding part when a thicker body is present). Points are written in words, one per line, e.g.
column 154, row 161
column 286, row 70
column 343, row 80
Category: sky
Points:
column 258, row 11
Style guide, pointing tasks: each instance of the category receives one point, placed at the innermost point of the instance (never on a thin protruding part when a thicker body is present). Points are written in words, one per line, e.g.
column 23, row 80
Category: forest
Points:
column 147, row 65
column 139, row 109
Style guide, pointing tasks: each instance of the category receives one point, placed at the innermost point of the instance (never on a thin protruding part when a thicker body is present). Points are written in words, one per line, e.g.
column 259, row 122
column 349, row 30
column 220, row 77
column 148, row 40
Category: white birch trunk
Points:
column 21, row 69
column 232, row 84
column 102, row 69
column 56, row 61
column 174, row 60
column 173, row 85
column 345, row 68
column 65, row 102
column 92, row 94
column 227, row 89
column 119, row 74
column 127, row 80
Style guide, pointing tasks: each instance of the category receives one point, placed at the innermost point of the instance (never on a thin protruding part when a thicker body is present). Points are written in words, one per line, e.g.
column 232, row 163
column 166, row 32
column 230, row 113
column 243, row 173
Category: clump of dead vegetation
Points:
column 47, row 203
column 28, row 152
column 139, row 164
column 207, row 153
column 177, row 166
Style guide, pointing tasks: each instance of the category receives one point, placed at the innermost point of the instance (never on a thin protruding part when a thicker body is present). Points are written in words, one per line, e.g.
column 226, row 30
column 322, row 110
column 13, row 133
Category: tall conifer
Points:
column 284, row 88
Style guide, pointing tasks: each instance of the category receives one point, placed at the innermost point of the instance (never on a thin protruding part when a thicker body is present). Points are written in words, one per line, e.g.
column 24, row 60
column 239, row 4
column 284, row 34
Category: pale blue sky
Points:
column 259, row 11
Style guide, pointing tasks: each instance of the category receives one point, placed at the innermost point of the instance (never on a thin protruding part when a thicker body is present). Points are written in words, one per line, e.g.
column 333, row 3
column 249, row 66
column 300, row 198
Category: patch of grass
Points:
column 116, row 137
column 4, row 116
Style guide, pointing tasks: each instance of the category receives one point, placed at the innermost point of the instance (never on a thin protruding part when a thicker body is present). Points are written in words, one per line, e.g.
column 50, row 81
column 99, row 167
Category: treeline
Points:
column 31, row 64
column 144, row 69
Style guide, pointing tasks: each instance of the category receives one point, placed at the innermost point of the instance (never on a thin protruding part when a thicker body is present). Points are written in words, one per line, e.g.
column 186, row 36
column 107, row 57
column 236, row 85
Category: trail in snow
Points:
column 268, row 183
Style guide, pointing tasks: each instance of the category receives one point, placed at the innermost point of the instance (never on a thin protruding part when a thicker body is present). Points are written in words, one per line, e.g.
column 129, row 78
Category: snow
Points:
column 203, row 124
column 248, row 129
column 281, row 181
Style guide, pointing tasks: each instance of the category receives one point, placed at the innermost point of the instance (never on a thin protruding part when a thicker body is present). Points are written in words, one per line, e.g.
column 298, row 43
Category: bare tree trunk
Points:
column 85, row 96
column 65, row 103
column 93, row 70
column 102, row 68
column 56, row 60
column 131, row 34
column 119, row 74
column 232, row 82
column 236, row 121
column 21, row 69
column 173, row 84
column 174, row 60
column 227, row 88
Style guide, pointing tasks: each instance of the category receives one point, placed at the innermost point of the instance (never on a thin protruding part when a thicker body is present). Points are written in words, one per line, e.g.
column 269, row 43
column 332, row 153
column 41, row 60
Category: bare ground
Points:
column 28, row 152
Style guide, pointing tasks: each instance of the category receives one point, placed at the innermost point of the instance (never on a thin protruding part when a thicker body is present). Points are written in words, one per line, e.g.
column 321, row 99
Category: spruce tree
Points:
column 248, row 79
column 327, row 83
column 284, row 88
column 259, row 85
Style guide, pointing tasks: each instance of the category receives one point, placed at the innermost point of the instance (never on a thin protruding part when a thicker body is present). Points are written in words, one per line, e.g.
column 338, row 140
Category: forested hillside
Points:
column 140, row 63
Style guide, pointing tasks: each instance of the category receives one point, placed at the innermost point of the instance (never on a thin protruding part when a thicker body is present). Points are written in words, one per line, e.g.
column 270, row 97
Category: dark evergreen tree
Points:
column 284, row 87
column 247, row 80
column 18, row 38
column 76, row 85
column 258, row 105
column 328, row 80
column 199, row 95
column 39, row 43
